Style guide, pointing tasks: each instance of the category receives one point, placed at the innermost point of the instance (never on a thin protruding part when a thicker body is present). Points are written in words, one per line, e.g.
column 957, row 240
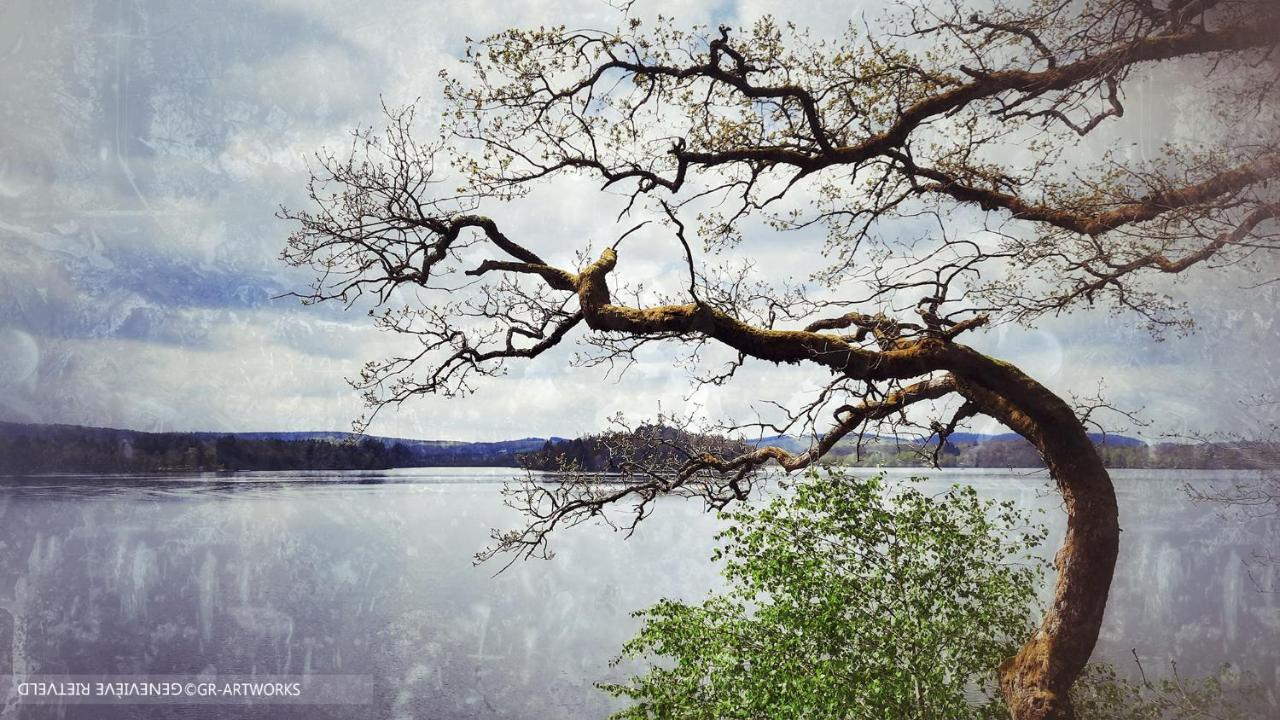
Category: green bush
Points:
column 846, row 599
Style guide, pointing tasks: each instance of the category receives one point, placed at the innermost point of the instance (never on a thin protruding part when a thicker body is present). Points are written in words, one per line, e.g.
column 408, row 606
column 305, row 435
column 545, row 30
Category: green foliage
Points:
column 846, row 600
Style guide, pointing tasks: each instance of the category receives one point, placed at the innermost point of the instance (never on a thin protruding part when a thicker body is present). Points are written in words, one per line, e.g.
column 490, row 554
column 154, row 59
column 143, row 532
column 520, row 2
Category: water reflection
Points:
column 343, row 573
column 186, row 484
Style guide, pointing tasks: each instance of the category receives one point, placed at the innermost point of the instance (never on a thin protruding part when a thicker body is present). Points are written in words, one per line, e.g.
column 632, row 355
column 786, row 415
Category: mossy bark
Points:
column 1036, row 682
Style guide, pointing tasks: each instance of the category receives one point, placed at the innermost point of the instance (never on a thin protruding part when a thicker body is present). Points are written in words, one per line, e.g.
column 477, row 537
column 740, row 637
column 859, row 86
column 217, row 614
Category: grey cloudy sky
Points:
column 147, row 146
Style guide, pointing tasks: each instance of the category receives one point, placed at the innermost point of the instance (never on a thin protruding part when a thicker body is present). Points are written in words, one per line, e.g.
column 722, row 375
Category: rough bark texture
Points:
column 1036, row 682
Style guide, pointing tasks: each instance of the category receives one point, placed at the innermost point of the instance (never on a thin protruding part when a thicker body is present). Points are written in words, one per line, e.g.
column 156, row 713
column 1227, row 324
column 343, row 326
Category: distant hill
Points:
column 1009, row 450
column 793, row 442
column 962, row 438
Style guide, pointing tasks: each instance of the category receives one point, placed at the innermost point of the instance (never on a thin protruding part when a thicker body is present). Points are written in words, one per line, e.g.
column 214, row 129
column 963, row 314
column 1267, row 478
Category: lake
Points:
column 268, row 574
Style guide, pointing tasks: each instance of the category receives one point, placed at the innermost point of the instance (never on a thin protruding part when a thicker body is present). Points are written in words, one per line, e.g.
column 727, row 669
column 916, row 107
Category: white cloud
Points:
column 141, row 170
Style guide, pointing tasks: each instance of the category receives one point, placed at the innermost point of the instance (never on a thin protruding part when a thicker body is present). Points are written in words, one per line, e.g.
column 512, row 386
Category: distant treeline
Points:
column 597, row 453
column 36, row 449
column 189, row 453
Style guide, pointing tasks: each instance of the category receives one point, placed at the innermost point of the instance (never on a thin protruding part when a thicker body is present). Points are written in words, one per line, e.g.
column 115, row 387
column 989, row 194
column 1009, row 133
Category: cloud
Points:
column 149, row 144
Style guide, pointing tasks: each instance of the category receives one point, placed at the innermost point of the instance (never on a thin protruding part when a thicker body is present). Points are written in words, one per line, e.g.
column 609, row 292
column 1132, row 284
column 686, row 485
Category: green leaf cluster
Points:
column 846, row 599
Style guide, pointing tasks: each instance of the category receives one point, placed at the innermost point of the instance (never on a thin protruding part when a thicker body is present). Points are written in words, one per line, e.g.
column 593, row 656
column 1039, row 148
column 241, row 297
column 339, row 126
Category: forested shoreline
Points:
column 593, row 453
column 37, row 449
column 40, row 449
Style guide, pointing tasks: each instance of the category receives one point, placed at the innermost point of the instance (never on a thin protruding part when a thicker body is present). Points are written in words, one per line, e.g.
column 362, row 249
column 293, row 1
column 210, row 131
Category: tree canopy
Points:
column 935, row 151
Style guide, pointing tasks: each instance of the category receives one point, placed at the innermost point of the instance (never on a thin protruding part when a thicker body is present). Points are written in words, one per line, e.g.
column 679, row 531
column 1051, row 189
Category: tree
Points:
column 937, row 155
column 846, row 600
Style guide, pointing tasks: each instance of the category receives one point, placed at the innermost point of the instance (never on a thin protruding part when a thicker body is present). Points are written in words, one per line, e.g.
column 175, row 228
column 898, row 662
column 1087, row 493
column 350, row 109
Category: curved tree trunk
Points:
column 1036, row 681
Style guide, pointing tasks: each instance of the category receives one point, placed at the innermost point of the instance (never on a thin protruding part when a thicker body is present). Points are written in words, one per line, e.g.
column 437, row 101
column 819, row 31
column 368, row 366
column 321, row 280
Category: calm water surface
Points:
column 371, row 573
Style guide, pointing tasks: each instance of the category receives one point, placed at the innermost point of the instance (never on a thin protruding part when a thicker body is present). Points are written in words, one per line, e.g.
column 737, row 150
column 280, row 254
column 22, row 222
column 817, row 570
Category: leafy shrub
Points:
column 846, row 600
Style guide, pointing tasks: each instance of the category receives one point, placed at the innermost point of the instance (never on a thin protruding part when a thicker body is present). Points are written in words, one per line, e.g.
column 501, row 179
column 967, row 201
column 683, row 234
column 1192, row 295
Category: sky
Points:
column 148, row 145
